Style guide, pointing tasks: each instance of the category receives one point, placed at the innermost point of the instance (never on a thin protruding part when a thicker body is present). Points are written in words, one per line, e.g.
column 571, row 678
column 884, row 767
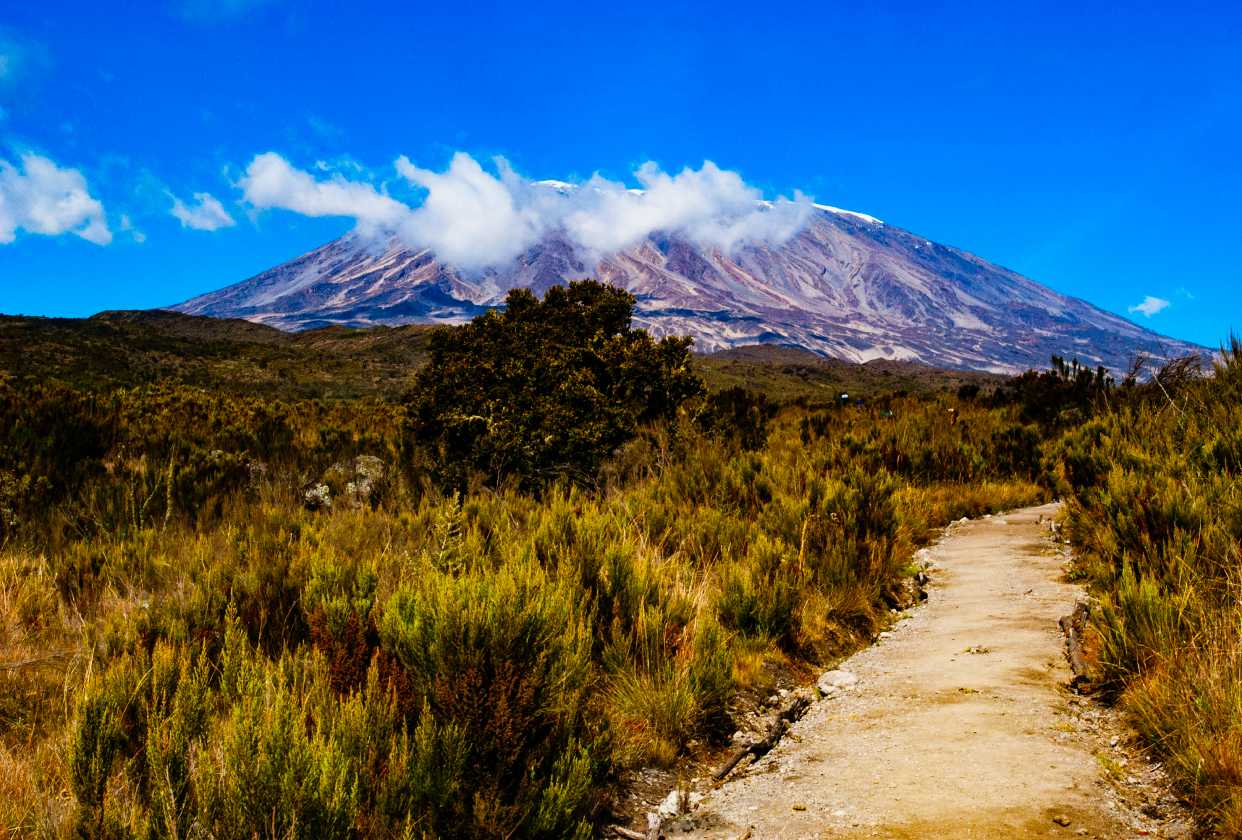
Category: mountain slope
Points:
column 846, row 286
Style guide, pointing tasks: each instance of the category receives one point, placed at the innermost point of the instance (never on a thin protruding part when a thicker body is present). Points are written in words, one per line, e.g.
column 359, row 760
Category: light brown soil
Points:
column 960, row 724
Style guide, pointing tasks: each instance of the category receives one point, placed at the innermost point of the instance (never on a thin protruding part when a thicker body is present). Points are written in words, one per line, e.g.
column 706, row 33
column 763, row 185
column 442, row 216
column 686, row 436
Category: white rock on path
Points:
column 837, row 680
column 676, row 804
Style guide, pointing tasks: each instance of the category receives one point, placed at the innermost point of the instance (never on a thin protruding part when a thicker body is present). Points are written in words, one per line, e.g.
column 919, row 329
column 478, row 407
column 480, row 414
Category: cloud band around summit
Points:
column 474, row 219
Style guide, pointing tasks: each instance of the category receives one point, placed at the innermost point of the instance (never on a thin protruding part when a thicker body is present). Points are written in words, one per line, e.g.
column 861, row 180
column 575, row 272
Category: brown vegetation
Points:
column 192, row 645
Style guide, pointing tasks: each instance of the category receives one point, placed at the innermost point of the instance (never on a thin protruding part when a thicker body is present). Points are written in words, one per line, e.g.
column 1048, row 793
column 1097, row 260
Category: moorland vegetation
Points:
column 465, row 608
column 1153, row 483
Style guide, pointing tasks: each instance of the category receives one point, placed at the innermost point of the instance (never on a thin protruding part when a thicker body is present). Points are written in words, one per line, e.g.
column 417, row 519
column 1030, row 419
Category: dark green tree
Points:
column 545, row 388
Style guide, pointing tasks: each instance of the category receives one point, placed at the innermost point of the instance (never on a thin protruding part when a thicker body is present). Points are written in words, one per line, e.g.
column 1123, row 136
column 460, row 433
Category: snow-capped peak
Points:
column 872, row 219
column 559, row 186
column 856, row 291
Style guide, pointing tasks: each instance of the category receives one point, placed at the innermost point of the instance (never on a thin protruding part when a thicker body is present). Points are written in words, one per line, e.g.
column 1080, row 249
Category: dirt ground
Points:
column 959, row 724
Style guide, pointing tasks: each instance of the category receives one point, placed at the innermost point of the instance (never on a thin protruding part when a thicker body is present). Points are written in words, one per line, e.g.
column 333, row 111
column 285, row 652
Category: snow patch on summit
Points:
column 870, row 219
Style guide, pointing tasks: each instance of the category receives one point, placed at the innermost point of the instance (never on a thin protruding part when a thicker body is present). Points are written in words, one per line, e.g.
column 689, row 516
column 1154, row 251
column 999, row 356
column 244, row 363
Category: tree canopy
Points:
column 545, row 388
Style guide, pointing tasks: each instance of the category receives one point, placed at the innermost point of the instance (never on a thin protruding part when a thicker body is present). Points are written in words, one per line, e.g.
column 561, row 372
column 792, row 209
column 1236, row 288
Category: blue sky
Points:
column 1096, row 150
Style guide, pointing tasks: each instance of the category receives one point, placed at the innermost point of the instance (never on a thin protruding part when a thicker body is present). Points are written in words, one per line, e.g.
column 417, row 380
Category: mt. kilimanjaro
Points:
column 846, row 285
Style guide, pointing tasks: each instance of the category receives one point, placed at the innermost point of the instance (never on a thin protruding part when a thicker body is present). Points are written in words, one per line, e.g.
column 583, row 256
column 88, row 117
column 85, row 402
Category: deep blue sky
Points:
column 1094, row 147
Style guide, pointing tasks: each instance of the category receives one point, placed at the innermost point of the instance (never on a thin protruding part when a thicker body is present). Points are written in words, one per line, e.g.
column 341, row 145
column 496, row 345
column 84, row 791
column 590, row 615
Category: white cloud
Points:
column 1150, row 306
column 41, row 197
column 473, row 218
column 127, row 225
column 270, row 182
column 207, row 214
column 710, row 205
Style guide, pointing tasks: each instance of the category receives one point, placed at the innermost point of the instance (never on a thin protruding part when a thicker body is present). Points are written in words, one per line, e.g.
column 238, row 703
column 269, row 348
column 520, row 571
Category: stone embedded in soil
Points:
column 671, row 806
column 837, row 680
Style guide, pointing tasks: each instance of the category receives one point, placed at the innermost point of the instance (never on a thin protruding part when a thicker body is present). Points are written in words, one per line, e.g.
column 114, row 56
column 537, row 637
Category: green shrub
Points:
column 545, row 389
column 1156, row 513
column 738, row 416
column 758, row 597
column 263, row 773
column 504, row 657
column 97, row 742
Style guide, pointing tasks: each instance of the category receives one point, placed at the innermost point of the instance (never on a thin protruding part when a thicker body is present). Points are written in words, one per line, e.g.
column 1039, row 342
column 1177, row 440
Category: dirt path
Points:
column 959, row 724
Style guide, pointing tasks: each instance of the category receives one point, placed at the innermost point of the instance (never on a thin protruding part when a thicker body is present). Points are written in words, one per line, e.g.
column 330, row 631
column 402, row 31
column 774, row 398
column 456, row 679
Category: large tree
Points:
column 545, row 388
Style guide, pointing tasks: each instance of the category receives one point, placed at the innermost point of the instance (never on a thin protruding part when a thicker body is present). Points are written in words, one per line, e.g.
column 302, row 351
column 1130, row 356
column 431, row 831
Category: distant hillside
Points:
column 115, row 349
column 790, row 373
column 130, row 348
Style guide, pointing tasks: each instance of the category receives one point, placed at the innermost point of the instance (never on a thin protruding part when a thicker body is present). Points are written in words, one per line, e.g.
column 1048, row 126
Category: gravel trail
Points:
column 959, row 724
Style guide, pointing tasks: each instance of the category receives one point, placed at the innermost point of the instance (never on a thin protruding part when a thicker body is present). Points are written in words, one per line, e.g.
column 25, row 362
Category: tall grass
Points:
column 1156, row 509
column 195, row 651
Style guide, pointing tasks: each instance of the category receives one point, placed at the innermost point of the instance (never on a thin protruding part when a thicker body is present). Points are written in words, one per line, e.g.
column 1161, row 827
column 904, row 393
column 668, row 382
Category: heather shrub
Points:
column 504, row 657
column 1154, row 511
column 758, row 597
column 737, row 416
column 271, row 768
column 137, row 722
column 525, row 611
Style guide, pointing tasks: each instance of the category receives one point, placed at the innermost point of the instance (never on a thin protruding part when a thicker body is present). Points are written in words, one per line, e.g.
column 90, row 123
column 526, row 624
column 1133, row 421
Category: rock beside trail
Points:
column 678, row 802
column 837, row 680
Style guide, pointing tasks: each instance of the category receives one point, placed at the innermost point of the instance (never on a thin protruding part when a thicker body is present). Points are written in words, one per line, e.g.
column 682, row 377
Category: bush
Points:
column 1156, row 512
column 738, row 416
column 274, row 772
column 545, row 389
column 502, row 656
column 759, row 597
column 1065, row 394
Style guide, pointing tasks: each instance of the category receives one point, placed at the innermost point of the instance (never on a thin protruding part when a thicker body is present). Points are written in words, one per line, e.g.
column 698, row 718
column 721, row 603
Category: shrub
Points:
column 545, row 389
column 759, row 597
column 273, row 771
column 1156, row 514
column 1067, row 393
column 503, row 657
column 737, row 415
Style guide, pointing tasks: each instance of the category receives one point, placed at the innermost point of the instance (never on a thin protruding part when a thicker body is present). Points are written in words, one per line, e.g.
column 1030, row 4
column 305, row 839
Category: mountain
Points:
column 847, row 286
